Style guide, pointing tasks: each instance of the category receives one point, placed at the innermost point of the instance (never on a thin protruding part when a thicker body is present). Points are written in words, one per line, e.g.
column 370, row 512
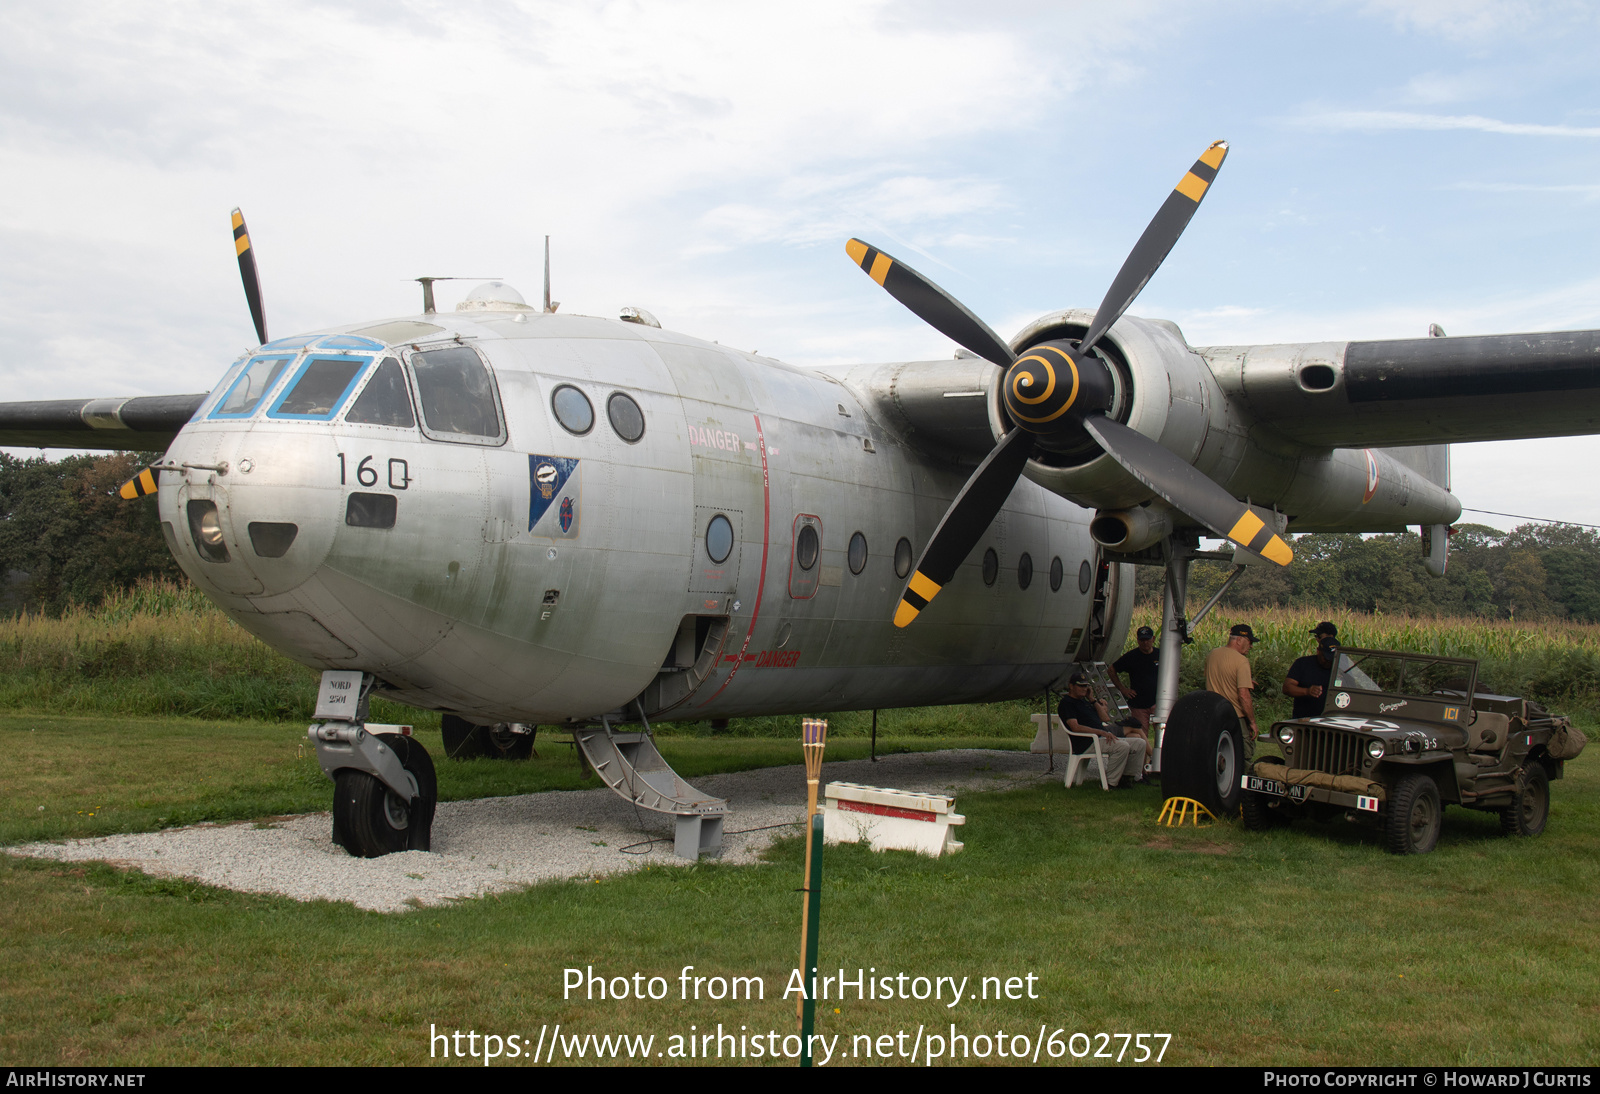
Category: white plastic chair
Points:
column 1058, row 740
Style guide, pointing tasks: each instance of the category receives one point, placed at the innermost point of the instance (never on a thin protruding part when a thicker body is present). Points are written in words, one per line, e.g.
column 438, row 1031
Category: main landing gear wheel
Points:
column 1415, row 816
column 370, row 820
column 1531, row 808
column 1202, row 753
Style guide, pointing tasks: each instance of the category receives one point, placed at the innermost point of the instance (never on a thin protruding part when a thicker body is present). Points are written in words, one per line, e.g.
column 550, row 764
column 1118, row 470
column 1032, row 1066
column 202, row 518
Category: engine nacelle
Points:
column 1131, row 530
column 1161, row 388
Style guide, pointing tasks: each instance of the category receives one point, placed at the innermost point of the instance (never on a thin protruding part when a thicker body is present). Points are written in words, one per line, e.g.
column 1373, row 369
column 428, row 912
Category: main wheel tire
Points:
column 1530, row 809
column 1260, row 814
column 1202, row 753
column 1415, row 816
column 370, row 820
column 462, row 739
column 507, row 745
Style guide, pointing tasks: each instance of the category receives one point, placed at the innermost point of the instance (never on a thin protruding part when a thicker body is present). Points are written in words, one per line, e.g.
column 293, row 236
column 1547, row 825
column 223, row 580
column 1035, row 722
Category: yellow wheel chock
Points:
column 1180, row 811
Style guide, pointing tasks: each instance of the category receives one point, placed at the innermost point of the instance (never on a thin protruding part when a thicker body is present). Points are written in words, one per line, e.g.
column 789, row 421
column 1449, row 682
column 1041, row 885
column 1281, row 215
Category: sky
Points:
column 1393, row 164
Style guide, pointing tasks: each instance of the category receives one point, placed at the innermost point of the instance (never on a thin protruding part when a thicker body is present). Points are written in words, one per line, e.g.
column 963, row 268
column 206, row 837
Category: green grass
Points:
column 1304, row 946
column 1309, row 948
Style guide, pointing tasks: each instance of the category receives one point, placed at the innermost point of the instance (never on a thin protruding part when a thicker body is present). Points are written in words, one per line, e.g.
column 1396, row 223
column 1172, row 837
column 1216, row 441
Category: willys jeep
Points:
column 1403, row 735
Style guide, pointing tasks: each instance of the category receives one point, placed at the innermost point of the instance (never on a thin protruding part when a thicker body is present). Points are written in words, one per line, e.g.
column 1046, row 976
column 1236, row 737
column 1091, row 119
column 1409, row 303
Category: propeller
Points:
column 1058, row 395
column 247, row 273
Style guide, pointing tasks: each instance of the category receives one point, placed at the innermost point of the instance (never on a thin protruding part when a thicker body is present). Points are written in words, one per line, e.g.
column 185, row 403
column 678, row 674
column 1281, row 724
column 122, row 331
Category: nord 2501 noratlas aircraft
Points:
column 520, row 517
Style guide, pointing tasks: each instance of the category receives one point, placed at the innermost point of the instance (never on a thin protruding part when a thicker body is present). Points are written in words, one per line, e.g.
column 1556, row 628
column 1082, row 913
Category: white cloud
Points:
column 1374, row 120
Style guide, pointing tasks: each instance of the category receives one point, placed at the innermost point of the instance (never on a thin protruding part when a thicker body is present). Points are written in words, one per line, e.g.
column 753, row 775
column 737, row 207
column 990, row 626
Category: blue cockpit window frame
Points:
column 239, row 379
column 214, row 396
column 365, row 362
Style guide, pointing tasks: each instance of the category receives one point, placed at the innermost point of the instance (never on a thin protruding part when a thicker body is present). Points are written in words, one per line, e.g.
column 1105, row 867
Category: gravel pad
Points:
column 495, row 844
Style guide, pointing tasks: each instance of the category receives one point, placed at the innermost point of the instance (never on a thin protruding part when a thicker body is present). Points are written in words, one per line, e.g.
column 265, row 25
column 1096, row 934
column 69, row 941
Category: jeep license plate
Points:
column 1265, row 786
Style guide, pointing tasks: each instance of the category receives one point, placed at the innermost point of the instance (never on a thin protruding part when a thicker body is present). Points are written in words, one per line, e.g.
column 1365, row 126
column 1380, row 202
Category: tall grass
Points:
column 1555, row 663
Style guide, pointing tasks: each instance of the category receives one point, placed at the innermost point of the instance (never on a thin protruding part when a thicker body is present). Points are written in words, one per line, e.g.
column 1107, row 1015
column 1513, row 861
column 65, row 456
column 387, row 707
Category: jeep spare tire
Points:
column 1202, row 753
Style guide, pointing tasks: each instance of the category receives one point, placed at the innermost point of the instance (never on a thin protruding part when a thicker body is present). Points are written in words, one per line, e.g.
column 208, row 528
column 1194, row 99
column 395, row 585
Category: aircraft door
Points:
column 718, row 532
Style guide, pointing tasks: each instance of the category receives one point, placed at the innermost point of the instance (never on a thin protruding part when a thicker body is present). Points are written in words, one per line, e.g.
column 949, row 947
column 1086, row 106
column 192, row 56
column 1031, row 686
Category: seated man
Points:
column 1081, row 713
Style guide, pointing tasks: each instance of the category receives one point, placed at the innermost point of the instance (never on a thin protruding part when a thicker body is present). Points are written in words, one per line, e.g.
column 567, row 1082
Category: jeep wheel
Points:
column 1531, row 808
column 1415, row 816
column 1260, row 814
column 1202, row 753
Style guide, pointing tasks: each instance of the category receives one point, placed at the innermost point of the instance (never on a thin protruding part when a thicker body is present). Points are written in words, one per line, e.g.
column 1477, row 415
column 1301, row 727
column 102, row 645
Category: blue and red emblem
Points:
column 566, row 514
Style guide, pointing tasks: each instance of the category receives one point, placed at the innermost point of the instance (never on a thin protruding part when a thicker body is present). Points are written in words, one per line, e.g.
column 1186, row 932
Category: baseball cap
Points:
column 1244, row 629
column 1078, row 678
column 1326, row 628
column 1328, row 643
column 1144, row 632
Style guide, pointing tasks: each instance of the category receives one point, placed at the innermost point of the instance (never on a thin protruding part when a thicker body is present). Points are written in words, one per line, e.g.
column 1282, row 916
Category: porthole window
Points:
column 1025, row 570
column 719, row 536
column 902, row 558
column 576, row 416
column 991, row 566
column 1057, row 572
column 626, row 417
column 806, row 547
column 857, row 555
column 1085, row 576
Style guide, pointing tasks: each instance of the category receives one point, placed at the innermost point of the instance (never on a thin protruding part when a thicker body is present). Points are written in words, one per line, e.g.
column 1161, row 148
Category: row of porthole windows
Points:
column 576, row 414
column 719, row 544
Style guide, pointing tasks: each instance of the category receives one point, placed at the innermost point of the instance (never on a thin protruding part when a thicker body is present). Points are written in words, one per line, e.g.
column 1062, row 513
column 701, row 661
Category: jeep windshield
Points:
column 1418, row 675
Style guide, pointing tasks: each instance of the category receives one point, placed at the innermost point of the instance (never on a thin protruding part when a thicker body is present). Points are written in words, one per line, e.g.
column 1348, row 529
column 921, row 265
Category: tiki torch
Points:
column 813, row 739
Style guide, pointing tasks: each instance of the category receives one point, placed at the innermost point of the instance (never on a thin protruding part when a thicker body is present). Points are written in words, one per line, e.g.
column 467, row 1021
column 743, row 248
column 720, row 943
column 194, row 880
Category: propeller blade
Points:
column 247, row 272
column 141, row 485
column 928, row 302
column 1158, row 239
column 1186, row 489
column 964, row 523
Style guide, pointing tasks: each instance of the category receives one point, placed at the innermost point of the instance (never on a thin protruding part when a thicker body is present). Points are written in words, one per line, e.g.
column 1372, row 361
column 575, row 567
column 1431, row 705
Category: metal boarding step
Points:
column 632, row 766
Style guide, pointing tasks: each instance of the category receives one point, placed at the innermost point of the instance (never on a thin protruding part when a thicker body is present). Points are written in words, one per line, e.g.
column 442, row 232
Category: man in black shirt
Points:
column 1141, row 664
column 1307, row 684
column 1081, row 713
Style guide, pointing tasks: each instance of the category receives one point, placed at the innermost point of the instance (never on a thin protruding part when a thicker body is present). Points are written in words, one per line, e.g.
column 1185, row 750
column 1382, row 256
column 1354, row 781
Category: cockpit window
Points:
column 211, row 400
column 384, row 401
column 457, row 396
column 252, row 386
column 320, row 387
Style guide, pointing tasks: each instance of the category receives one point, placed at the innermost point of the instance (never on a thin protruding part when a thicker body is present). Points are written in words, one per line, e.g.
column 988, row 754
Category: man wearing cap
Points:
column 1307, row 684
column 1141, row 664
column 1082, row 713
column 1228, row 674
column 1324, row 630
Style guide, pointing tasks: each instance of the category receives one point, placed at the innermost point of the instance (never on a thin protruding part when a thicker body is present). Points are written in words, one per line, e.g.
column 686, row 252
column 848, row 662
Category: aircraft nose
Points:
column 249, row 515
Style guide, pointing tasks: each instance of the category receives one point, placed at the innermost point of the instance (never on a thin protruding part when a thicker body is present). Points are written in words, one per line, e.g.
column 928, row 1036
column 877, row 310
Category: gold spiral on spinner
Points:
column 1051, row 367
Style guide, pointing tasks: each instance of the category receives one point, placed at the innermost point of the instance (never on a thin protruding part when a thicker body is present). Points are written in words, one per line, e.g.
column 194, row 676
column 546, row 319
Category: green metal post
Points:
column 808, row 1018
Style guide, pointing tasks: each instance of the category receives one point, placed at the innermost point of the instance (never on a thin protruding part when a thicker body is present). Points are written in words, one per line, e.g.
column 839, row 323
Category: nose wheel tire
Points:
column 370, row 820
column 1415, row 816
column 1530, row 808
column 1202, row 753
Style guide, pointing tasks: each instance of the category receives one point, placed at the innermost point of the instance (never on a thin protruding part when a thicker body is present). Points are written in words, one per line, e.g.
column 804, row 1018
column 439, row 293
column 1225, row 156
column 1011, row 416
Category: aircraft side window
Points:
column 1085, row 576
column 573, row 410
column 807, row 547
column 626, row 417
column 991, row 566
column 902, row 558
column 1057, row 572
column 857, row 554
column 1025, row 570
column 719, row 538
column 384, row 401
column 457, row 396
column 252, row 386
column 320, row 388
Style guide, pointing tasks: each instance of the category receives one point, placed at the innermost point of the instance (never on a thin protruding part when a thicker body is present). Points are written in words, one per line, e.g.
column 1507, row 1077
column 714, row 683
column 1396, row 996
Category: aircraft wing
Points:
column 145, row 423
column 1413, row 391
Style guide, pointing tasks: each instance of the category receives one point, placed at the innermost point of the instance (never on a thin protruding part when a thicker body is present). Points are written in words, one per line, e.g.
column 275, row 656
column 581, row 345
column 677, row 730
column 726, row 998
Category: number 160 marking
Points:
column 367, row 475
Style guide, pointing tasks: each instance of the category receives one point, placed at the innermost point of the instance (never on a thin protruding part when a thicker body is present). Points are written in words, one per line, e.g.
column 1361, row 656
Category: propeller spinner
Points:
column 1058, row 396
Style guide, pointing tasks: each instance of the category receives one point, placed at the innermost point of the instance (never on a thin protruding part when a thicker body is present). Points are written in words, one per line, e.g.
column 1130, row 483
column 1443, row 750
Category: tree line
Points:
column 1534, row 572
